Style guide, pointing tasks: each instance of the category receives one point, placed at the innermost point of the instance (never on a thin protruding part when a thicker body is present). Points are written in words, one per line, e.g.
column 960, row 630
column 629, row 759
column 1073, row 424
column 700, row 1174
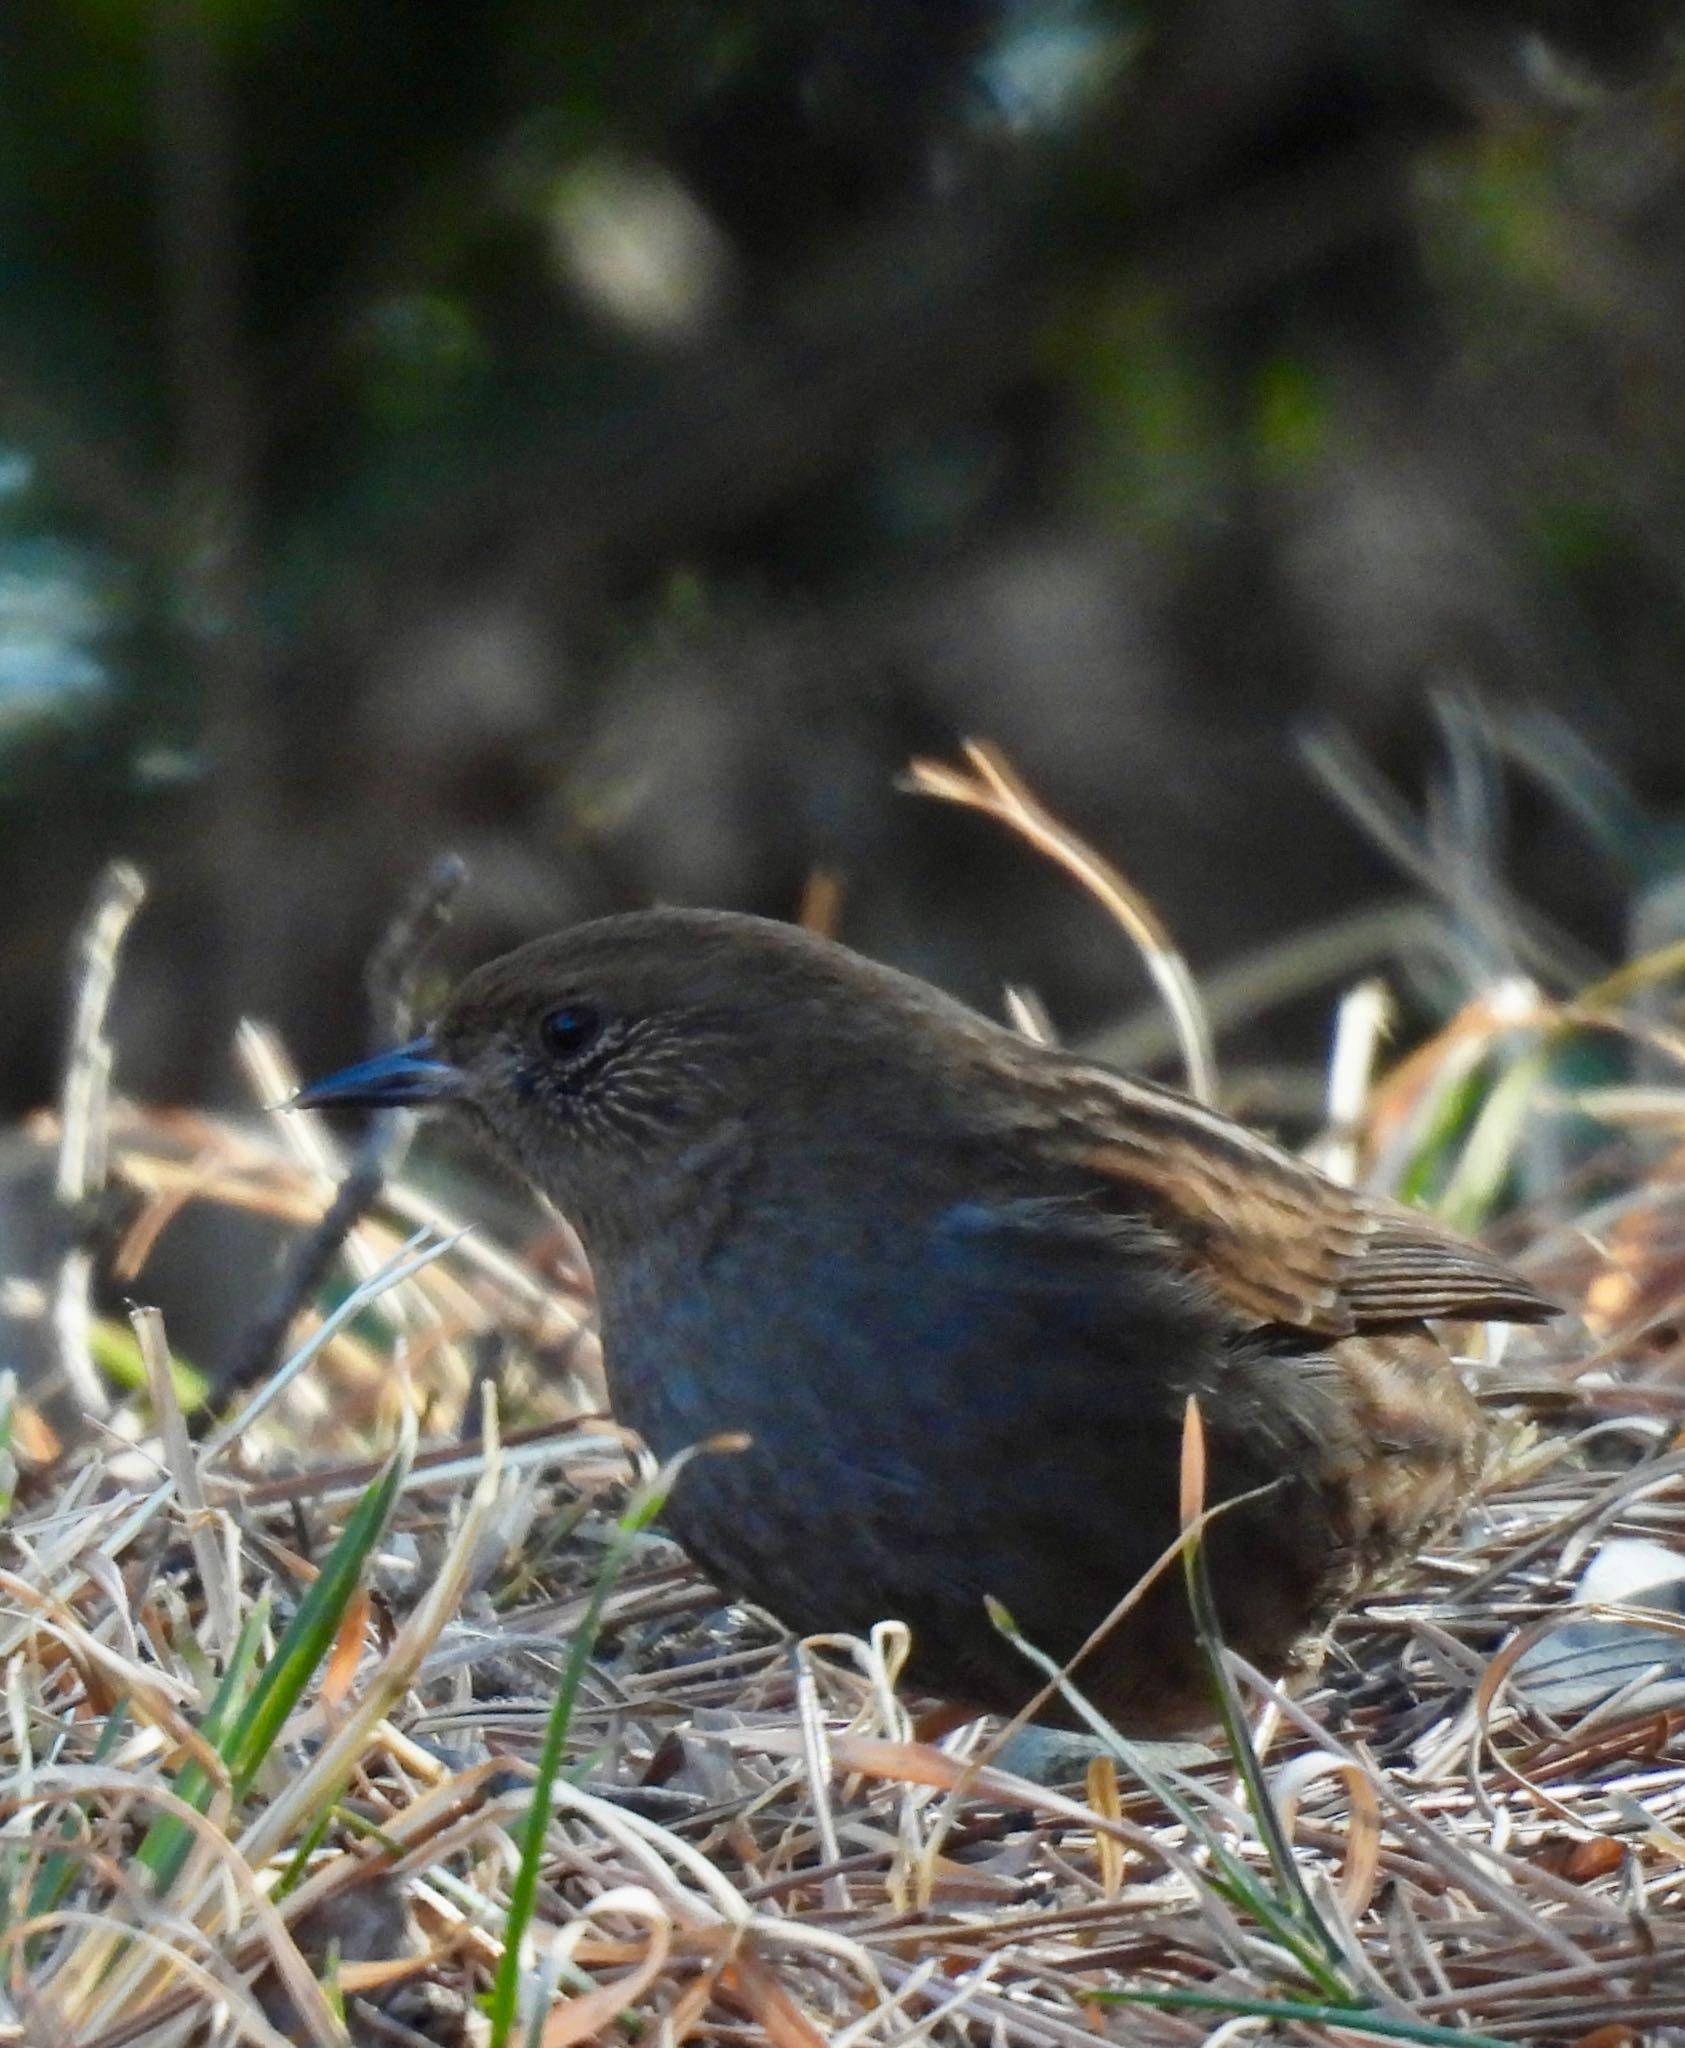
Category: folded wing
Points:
column 1281, row 1244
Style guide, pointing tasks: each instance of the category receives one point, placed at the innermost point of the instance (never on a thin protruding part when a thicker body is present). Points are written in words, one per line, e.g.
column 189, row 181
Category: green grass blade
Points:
column 310, row 1634
column 641, row 1510
column 166, row 1842
column 243, row 1722
column 1248, row 1766
column 1377, row 2025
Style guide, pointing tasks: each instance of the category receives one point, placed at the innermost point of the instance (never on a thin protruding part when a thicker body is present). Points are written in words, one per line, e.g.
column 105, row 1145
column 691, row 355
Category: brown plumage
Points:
column 958, row 1288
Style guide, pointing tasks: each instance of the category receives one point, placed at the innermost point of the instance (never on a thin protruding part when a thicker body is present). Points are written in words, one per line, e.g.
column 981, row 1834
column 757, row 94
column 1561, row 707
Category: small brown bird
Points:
column 957, row 1288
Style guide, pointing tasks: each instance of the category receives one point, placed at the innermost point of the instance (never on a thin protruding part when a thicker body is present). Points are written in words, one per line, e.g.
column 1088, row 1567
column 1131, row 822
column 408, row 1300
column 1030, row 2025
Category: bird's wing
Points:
column 1281, row 1243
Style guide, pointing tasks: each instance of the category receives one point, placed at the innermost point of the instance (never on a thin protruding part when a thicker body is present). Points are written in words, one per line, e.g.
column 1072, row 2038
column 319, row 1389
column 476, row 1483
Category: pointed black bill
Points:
column 403, row 1078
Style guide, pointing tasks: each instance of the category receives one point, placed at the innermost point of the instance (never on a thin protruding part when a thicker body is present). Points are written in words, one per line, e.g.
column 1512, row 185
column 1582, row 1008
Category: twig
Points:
column 390, row 984
column 307, row 1266
column 84, row 1103
column 390, row 978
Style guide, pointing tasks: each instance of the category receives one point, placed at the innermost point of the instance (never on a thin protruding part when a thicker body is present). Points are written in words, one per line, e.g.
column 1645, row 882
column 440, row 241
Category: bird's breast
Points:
column 900, row 1334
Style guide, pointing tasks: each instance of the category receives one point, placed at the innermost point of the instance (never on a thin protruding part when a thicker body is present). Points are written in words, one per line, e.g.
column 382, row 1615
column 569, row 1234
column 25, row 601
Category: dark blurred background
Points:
column 608, row 441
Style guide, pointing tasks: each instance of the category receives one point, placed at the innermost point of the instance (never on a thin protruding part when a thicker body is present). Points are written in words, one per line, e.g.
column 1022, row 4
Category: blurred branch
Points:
column 199, row 235
column 396, row 961
column 1297, row 964
column 919, row 320
column 199, row 258
column 1346, row 772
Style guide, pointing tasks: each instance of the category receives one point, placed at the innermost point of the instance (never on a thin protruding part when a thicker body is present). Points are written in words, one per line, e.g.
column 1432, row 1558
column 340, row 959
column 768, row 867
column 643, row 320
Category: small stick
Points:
column 390, row 984
column 84, row 1134
column 390, row 977
column 305, row 1269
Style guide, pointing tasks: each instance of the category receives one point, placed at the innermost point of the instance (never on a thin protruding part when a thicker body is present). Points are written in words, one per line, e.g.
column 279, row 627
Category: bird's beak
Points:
column 402, row 1078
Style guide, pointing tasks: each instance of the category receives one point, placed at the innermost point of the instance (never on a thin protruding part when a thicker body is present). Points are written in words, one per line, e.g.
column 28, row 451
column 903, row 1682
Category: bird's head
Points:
column 613, row 1061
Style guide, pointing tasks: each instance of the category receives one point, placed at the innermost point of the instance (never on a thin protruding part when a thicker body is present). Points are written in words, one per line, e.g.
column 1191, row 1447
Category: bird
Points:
column 953, row 1290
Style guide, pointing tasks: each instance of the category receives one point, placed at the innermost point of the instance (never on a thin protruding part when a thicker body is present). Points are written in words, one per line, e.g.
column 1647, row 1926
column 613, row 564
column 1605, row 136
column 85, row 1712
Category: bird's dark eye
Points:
column 568, row 1031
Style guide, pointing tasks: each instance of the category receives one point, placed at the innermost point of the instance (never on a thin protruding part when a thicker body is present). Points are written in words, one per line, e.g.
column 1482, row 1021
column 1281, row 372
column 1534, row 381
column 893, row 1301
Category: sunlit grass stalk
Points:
column 1487, row 1153
column 1441, row 1130
column 8, row 1464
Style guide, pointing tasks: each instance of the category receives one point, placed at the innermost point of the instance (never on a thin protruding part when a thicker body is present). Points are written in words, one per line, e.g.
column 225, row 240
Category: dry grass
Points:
column 284, row 1759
